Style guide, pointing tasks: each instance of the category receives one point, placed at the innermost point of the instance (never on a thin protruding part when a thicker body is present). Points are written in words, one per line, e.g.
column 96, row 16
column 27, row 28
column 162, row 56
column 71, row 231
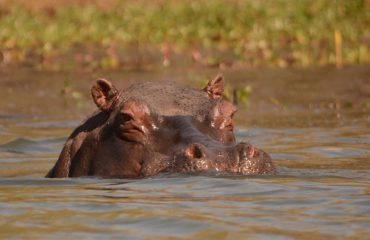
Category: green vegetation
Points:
column 254, row 33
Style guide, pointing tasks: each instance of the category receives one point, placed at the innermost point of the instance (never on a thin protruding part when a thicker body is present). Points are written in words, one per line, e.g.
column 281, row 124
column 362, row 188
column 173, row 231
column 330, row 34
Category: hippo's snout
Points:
column 251, row 160
column 196, row 159
column 245, row 151
column 242, row 158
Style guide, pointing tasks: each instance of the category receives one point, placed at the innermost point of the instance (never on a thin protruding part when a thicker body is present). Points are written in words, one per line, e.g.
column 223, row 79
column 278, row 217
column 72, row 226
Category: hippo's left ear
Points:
column 215, row 87
column 104, row 94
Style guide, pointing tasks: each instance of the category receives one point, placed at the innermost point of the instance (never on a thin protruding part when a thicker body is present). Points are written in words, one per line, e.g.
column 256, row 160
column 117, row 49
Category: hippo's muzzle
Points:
column 242, row 158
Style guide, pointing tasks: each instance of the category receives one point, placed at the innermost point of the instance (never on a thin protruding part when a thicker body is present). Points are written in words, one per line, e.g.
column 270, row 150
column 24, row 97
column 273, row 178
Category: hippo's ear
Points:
column 215, row 87
column 104, row 94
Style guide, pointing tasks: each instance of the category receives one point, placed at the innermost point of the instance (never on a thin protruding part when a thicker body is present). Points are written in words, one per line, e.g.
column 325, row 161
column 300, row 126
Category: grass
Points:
column 272, row 33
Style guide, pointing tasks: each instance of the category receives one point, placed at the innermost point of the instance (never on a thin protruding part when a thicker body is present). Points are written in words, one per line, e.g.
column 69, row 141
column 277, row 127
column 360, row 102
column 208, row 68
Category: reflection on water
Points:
column 322, row 189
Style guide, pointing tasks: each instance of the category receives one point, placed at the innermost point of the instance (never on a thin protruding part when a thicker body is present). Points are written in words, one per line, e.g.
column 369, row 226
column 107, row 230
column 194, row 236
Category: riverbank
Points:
column 223, row 34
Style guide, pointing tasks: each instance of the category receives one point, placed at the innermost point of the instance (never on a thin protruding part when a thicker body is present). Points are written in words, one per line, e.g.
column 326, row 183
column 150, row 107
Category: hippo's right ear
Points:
column 104, row 94
column 215, row 87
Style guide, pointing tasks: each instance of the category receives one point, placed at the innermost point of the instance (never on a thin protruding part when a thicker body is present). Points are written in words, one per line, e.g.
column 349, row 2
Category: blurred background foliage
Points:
column 247, row 33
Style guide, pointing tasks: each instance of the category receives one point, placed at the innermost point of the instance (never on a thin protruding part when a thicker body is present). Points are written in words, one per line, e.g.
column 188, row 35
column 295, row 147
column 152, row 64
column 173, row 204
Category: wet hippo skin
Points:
column 152, row 127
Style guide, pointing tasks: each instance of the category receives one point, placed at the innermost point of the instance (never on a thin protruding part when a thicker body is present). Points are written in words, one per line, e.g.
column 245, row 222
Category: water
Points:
column 322, row 190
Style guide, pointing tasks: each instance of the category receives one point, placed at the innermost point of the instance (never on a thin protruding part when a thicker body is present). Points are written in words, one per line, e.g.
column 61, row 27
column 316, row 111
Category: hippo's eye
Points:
column 126, row 117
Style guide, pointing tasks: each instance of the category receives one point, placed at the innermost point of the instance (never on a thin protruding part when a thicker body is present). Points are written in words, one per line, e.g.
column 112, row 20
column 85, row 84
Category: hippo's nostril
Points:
column 243, row 154
column 246, row 151
column 194, row 151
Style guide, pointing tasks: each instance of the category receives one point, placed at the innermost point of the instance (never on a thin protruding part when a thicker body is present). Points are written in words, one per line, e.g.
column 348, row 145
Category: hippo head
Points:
column 188, row 131
column 150, row 128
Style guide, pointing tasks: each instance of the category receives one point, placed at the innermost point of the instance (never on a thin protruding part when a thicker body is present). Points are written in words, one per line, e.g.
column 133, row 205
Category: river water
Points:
column 315, row 124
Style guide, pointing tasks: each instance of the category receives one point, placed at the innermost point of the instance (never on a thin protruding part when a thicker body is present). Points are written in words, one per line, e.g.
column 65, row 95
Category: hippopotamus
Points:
column 158, row 127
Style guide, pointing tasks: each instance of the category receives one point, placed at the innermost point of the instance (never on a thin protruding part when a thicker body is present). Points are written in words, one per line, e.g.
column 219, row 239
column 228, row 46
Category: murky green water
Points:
column 315, row 124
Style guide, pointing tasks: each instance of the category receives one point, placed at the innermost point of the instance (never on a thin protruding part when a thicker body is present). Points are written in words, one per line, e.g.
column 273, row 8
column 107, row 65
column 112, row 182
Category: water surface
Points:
column 315, row 124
